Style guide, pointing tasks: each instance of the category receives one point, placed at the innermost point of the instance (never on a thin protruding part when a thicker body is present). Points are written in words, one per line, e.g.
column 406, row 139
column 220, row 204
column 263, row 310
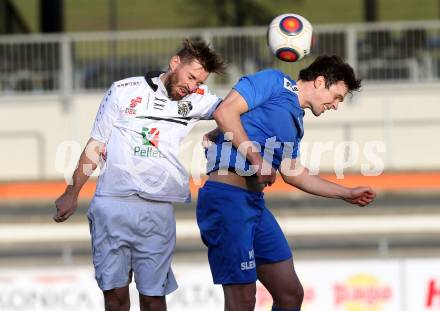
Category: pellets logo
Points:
column 362, row 292
column 150, row 143
column 150, row 137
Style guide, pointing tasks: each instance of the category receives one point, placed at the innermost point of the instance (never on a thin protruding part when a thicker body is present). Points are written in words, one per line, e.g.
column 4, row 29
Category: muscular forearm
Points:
column 313, row 184
column 87, row 164
column 316, row 185
column 298, row 176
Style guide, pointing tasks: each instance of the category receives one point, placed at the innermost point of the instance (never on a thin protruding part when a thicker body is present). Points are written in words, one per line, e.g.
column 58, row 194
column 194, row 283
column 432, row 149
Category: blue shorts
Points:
column 239, row 231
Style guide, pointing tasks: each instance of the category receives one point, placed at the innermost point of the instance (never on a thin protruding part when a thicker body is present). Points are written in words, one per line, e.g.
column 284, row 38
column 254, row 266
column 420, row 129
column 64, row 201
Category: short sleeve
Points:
column 288, row 134
column 259, row 87
column 208, row 102
column 107, row 114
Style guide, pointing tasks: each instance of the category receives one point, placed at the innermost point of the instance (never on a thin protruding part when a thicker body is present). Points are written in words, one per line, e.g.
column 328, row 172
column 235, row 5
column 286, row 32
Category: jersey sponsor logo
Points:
column 150, row 137
column 130, row 111
column 147, row 152
column 184, row 107
column 248, row 265
column 290, row 86
column 128, row 84
column 135, row 101
column 199, row 91
column 150, row 143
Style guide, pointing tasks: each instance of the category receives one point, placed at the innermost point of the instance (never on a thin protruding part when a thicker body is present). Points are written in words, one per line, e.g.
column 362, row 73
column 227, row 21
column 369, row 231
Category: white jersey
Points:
column 142, row 129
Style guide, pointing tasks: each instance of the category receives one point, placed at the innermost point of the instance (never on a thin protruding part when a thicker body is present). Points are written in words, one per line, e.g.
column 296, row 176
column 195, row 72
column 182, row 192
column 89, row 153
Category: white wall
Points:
column 407, row 148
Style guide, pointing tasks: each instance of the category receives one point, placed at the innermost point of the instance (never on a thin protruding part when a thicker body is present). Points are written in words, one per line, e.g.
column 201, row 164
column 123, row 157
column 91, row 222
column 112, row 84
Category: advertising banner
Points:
column 422, row 285
column 351, row 285
column 332, row 285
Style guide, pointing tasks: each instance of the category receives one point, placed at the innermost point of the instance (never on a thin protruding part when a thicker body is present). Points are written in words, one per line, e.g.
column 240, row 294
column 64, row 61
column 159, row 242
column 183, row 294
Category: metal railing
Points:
column 78, row 62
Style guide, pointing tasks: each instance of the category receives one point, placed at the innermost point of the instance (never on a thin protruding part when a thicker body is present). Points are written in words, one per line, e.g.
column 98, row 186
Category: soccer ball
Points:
column 289, row 37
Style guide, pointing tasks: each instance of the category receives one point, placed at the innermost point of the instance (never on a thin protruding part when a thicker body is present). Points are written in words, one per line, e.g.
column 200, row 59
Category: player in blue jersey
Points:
column 263, row 120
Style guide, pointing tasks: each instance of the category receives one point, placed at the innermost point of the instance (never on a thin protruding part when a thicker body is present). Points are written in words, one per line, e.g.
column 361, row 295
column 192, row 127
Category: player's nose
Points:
column 192, row 86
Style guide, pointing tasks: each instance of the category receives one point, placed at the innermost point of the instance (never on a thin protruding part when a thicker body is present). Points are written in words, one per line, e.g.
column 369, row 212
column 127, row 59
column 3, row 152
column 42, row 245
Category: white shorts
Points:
column 133, row 235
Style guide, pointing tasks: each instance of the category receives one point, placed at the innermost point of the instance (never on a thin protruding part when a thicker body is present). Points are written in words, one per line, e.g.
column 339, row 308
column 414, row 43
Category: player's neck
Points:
column 301, row 85
column 164, row 77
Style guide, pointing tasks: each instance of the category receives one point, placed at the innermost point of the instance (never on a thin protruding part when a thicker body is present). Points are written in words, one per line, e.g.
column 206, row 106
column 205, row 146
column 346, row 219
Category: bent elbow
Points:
column 219, row 116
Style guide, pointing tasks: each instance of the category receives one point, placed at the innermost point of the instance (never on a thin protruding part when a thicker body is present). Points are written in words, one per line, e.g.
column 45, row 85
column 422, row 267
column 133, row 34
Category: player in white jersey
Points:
column 140, row 124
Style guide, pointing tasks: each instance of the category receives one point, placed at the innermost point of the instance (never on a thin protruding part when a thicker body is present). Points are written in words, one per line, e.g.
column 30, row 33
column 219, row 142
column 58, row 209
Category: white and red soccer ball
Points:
column 289, row 37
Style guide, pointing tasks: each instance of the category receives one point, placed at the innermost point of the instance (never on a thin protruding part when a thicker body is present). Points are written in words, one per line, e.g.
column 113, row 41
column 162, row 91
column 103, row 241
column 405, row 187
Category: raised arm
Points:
column 67, row 203
column 227, row 116
column 298, row 176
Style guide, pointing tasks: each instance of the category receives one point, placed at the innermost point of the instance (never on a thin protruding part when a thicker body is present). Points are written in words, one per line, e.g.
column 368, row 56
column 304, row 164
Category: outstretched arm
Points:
column 227, row 116
column 67, row 203
column 316, row 185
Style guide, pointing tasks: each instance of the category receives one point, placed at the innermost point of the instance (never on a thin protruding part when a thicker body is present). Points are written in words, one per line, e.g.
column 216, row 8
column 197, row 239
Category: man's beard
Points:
column 170, row 85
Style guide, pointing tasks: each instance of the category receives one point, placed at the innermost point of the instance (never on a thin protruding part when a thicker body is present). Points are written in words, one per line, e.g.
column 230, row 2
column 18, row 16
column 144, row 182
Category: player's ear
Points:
column 174, row 62
column 319, row 82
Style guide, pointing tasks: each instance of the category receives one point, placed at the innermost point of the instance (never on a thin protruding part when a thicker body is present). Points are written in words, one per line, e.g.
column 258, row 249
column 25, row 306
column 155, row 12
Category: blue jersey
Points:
column 274, row 122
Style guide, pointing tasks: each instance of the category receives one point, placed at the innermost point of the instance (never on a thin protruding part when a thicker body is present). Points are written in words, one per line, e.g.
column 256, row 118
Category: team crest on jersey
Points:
column 184, row 107
column 289, row 85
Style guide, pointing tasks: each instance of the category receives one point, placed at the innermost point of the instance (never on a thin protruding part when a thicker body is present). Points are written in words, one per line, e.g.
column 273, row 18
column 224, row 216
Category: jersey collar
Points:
column 149, row 78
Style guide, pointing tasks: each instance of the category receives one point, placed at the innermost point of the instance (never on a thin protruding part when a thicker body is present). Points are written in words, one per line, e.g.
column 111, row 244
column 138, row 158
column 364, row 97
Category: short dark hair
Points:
column 333, row 69
column 199, row 50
